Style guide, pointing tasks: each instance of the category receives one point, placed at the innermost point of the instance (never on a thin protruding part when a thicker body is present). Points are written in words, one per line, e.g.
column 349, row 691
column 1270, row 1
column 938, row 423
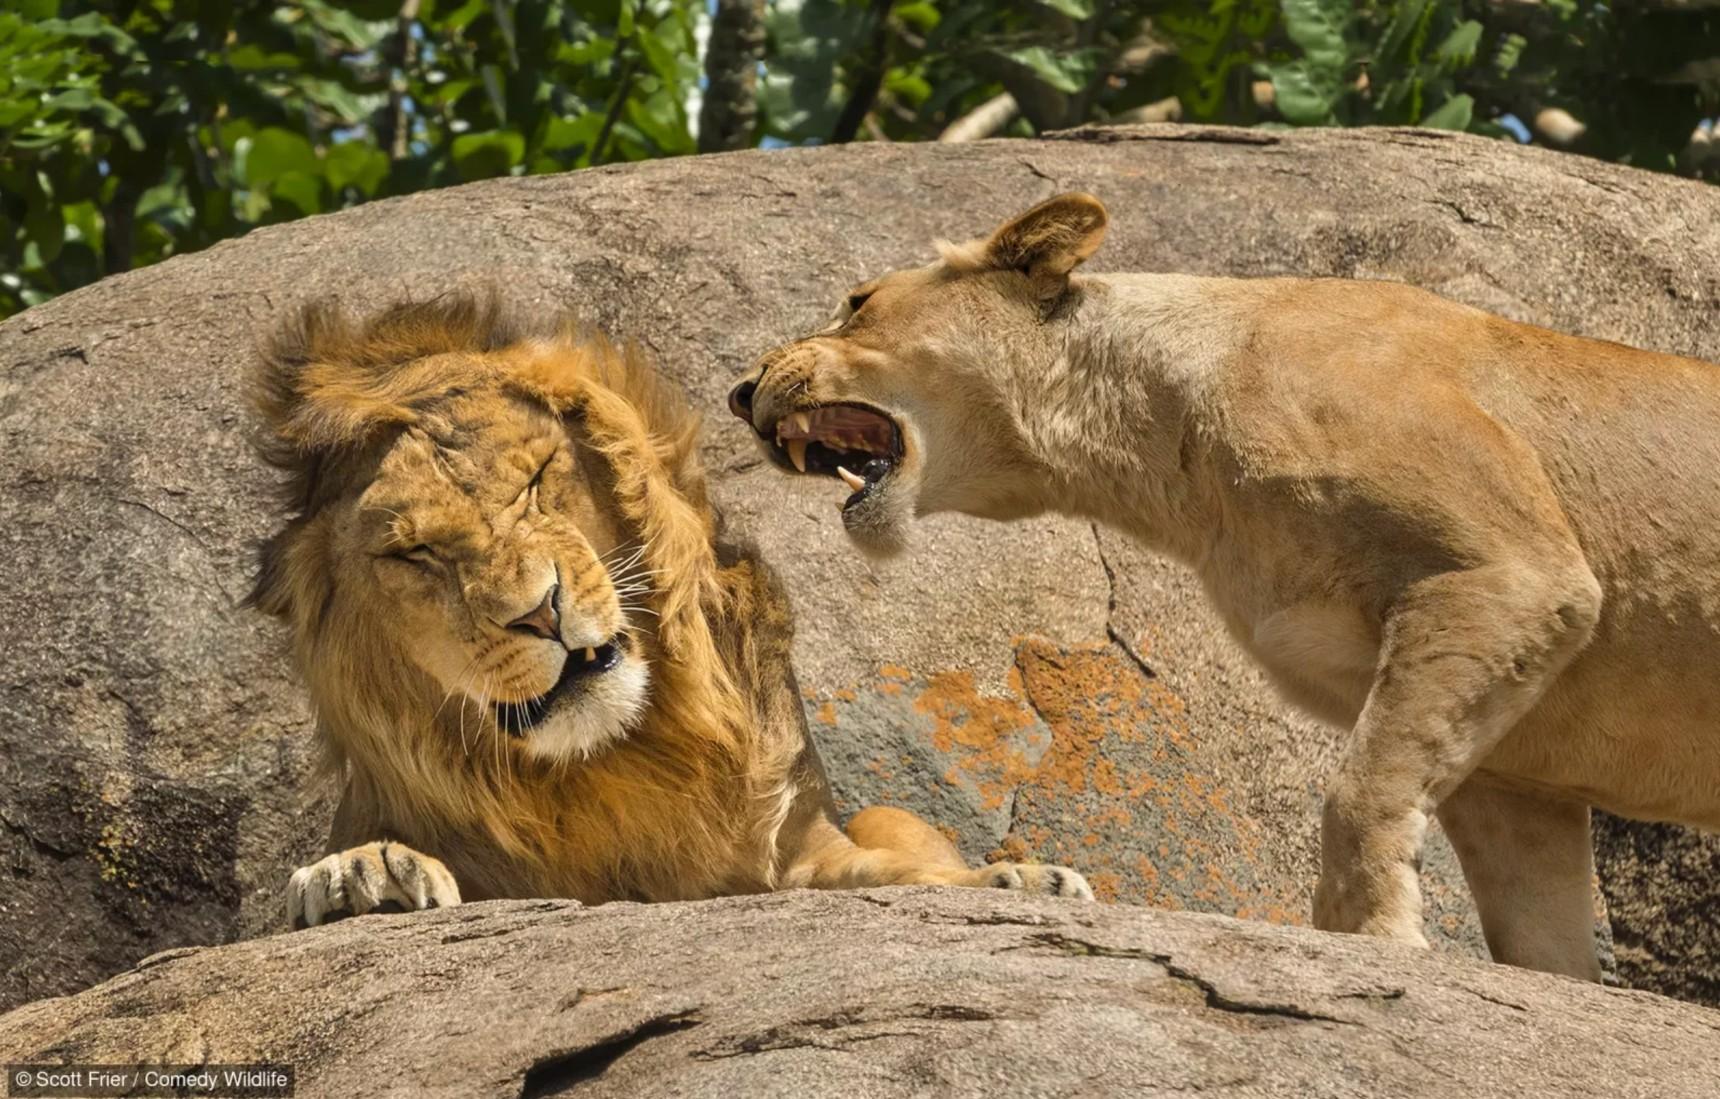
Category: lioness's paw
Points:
column 362, row 879
column 1055, row 881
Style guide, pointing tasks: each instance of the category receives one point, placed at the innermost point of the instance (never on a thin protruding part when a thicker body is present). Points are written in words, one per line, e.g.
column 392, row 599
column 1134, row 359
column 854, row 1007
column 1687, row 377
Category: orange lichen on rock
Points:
column 1107, row 887
column 980, row 732
column 1081, row 759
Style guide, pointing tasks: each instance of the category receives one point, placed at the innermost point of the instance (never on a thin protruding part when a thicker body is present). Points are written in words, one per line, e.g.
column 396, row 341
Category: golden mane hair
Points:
column 694, row 791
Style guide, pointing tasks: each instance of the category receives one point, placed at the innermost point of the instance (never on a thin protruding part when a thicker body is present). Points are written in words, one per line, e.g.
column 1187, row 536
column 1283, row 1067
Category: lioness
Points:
column 538, row 672
column 1492, row 549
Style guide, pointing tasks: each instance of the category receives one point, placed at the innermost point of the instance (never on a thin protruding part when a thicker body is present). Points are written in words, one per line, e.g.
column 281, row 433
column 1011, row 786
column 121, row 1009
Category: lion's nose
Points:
column 741, row 397
column 543, row 619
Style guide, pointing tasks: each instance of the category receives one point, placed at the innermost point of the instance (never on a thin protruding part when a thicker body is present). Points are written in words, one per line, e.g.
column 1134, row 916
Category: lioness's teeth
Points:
column 801, row 422
column 853, row 479
column 590, row 656
column 797, row 453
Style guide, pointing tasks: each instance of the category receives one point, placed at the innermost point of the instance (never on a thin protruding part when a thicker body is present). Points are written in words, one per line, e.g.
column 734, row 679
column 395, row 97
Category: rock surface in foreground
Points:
column 876, row 994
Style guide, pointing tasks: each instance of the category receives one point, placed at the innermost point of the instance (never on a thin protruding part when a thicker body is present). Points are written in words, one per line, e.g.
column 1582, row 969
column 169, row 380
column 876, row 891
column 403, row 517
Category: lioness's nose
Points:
column 543, row 619
column 740, row 399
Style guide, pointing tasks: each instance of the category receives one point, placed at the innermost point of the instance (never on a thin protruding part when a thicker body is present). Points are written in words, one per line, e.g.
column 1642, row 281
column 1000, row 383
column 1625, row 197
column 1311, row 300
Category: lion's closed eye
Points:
column 531, row 493
column 417, row 554
column 537, row 478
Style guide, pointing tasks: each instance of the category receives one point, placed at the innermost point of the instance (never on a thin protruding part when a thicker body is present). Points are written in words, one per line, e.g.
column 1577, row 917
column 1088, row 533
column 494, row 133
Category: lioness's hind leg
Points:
column 1465, row 656
column 1529, row 862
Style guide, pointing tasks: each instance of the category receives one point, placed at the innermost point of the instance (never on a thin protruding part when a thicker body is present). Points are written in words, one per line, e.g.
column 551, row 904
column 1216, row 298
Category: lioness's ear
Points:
column 1048, row 241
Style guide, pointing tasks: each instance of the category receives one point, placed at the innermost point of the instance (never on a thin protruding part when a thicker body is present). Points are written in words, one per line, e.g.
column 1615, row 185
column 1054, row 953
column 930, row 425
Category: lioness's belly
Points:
column 1632, row 726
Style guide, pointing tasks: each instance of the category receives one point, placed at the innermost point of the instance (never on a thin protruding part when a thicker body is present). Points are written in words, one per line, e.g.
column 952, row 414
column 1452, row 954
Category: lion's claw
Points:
column 364, row 879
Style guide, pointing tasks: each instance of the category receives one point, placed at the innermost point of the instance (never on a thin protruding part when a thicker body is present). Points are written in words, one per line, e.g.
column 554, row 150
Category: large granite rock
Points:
column 1042, row 689
column 874, row 994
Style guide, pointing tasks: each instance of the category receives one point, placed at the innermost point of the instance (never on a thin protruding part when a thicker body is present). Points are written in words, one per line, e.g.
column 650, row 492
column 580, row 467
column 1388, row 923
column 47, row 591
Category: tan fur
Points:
column 1491, row 549
column 455, row 481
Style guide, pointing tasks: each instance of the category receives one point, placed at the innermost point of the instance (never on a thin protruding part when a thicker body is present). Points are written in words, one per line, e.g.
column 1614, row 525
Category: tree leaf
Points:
column 1404, row 18
column 1454, row 114
column 1074, row 9
column 1068, row 73
column 922, row 15
column 301, row 190
column 1304, row 96
column 273, row 152
column 1459, row 46
column 491, row 153
column 1318, row 27
column 355, row 164
column 45, row 227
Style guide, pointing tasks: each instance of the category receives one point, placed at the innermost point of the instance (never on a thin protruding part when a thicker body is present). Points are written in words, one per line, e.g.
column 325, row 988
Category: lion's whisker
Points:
column 632, row 558
column 465, row 698
column 457, row 679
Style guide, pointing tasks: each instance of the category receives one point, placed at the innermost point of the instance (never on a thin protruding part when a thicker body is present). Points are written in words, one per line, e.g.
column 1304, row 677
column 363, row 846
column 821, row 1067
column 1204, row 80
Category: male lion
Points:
column 1492, row 549
column 537, row 670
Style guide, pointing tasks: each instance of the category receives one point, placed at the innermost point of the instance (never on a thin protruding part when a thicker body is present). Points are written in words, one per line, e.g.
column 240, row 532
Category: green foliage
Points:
column 1217, row 46
column 1639, row 77
column 1398, row 63
column 131, row 130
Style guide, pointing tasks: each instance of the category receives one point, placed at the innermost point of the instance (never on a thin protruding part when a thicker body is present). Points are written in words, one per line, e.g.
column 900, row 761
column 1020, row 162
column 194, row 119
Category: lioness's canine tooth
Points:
column 797, row 453
column 853, row 479
column 590, row 655
column 801, row 422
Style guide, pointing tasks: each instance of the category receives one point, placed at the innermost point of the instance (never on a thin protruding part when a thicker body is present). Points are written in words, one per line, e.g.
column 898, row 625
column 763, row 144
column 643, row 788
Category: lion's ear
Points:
column 325, row 381
column 1050, row 240
column 292, row 573
column 271, row 592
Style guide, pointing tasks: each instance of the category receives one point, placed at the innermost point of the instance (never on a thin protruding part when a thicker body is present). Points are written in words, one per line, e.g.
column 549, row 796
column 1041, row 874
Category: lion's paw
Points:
column 363, row 879
column 1053, row 881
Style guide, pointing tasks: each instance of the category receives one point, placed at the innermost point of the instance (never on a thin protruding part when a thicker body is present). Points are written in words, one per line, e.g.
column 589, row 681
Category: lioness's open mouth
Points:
column 516, row 718
column 858, row 445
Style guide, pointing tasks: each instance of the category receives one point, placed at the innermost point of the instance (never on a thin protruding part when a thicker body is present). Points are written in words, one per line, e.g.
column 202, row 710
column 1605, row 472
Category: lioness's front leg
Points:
column 1465, row 656
column 885, row 846
column 362, row 879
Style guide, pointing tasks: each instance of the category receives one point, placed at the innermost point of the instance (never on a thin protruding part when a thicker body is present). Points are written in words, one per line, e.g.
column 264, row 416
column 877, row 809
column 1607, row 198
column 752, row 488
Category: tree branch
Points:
column 624, row 88
column 870, row 79
column 395, row 133
column 984, row 120
column 730, row 108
